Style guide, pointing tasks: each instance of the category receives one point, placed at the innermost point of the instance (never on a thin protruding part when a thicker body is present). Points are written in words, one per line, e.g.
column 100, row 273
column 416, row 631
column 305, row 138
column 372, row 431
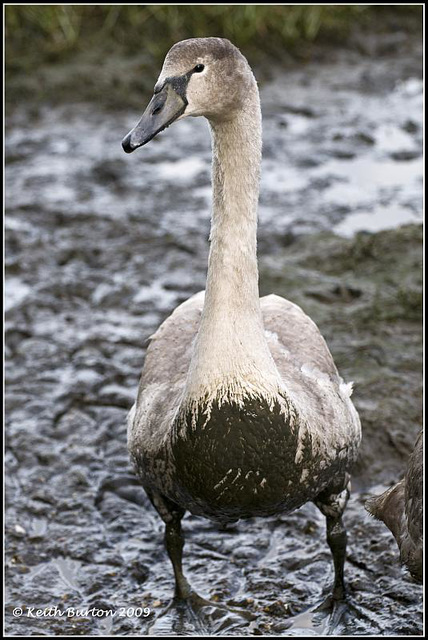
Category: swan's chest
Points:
column 244, row 461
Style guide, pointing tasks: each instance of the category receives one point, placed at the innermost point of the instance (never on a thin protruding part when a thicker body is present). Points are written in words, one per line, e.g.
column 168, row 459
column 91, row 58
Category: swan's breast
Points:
column 241, row 462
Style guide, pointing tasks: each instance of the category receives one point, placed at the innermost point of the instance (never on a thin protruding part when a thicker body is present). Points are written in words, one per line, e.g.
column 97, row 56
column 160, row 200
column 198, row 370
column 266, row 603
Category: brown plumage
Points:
column 401, row 508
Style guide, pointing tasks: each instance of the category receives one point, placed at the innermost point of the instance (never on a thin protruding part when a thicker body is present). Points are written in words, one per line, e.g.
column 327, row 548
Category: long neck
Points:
column 231, row 355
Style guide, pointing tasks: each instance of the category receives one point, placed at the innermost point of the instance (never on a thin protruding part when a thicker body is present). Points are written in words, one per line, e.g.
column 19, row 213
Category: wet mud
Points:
column 101, row 247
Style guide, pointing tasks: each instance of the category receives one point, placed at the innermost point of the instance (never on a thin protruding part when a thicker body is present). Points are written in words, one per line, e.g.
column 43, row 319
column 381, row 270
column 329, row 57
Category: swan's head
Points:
column 200, row 77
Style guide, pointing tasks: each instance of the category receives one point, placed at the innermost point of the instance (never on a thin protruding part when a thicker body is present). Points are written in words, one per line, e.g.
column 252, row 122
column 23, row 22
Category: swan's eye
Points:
column 199, row 68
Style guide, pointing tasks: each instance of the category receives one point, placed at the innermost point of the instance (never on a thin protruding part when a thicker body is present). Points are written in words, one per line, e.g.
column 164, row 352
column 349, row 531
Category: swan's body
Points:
column 401, row 508
column 242, row 452
column 240, row 410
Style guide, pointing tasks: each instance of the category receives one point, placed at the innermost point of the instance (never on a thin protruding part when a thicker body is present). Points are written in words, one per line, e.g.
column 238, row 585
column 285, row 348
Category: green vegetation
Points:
column 101, row 53
column 46, row 31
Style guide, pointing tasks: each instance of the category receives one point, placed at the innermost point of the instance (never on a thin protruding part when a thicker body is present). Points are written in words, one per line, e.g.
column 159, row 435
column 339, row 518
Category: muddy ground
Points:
column 101, row 247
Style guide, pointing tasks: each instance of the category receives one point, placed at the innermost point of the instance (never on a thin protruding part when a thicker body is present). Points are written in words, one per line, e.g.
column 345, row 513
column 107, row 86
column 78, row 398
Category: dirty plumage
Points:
column 401, row 508
column 240, row 410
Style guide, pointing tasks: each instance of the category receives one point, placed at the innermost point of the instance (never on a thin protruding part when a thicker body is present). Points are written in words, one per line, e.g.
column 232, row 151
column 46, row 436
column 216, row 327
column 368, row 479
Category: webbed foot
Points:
column 194, row 615
column 334, row 616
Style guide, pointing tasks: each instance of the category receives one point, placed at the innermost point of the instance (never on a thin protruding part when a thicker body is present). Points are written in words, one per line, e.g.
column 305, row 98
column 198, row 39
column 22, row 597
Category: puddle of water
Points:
column 389, row 137
column 277, row 179
column 15, row 292
column 384, row 218
column 184, row 170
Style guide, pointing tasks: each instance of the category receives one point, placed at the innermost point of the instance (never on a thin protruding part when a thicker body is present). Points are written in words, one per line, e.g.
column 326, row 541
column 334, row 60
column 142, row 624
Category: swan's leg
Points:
column 332, row 503
column 328, row 617
column 174, row 542
column 188, row 610
column 337, row 538
column 172, row 514
column 338, row 609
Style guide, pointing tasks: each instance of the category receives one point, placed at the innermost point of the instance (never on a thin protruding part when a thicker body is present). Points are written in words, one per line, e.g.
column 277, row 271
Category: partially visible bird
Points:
column 401, row 508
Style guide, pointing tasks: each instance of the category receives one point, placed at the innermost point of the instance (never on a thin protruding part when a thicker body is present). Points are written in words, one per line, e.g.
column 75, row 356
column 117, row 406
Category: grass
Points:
column 54, row 30
column 101, row 53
